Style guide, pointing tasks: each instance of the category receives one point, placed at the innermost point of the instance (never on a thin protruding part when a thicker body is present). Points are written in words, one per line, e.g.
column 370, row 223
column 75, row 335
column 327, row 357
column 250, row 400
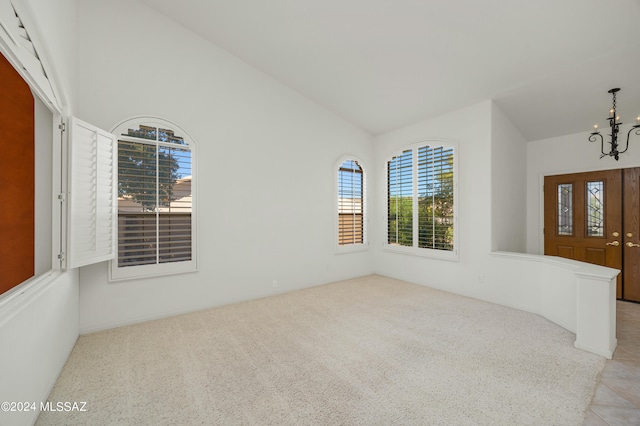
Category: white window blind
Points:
column 155, row 201
column 400, row 199
column 351, row 207
column 91, row 195
column 420, row 198
column 435, row 198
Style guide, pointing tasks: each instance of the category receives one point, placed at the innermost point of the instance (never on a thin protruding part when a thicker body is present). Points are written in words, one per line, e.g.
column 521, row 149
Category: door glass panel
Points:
column 595, row 209
column 565, row 209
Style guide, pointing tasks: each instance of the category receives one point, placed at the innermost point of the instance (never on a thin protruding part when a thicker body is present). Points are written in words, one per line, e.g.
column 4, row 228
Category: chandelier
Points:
column 614, row 123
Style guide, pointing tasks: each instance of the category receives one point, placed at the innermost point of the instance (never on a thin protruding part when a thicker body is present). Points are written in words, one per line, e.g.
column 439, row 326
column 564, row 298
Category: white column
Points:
column 596, row 311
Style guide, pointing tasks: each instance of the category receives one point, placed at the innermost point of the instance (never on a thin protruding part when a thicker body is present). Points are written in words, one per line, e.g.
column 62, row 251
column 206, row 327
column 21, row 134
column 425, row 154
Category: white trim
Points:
column 148, row 271
column 42, row 85
column 162, row 269
column 19, row 297
column 10, row 48
column 64, row 191
column 452, row 255
column 351, row 248
column 422, row 252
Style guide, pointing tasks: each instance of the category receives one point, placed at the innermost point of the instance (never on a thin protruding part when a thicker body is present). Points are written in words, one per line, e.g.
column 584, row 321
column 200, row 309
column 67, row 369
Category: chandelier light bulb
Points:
column 595, row 126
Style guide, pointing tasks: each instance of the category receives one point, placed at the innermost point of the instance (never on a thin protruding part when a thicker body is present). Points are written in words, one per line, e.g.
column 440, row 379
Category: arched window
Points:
column 421, row 200
column 351, row 203
column 156, row 203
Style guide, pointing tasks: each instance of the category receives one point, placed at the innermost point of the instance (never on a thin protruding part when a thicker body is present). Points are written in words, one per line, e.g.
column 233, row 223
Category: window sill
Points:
column 352, row 248
column 422, row 252
column 149, row 271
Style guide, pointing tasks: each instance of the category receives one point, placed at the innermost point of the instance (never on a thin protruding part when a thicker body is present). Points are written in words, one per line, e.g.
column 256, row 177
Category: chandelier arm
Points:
column 593, row 138
column 637, row 130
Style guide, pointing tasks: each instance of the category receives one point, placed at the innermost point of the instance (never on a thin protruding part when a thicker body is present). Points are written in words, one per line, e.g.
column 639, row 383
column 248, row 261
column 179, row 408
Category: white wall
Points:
column 491, row 165
column 470, row 128
column 266, row 164
column 38, row 329
column 490, row 158
column 565, row 154
column 508, row 183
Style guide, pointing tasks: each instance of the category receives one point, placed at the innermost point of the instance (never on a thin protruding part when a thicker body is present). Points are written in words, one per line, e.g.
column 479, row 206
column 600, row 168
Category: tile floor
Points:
column 617, row 397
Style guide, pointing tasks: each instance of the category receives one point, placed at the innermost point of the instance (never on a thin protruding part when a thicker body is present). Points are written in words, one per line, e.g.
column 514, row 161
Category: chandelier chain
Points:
column 614, row 105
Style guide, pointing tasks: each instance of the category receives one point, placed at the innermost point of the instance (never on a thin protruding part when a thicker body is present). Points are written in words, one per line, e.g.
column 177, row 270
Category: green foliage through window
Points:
column 400, row 199
column 420, row 194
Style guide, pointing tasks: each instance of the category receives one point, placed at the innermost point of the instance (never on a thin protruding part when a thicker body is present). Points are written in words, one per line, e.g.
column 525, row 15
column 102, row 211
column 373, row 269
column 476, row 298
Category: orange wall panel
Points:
column 17, row 174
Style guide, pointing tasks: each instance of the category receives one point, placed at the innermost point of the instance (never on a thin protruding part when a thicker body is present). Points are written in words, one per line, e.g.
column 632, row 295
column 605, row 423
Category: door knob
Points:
column 616, row 244
column 630, row 244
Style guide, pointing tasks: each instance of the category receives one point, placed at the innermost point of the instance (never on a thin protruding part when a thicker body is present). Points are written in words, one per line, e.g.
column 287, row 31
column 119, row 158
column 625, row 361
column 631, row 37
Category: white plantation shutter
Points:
column 154, row 213
column 420, row 200
column 18, row 42
column 351, row 229
column 400, row 199
column 155, row 200
column 91, row 195
column 435, row 197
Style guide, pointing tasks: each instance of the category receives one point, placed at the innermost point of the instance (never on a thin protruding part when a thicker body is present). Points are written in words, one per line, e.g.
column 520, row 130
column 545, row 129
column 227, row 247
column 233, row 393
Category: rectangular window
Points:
column 420, row 201
column 400, row 199
column 435, row 198
column 595, row 209
column 155, row 203
column 565, row 209
column 350, row 203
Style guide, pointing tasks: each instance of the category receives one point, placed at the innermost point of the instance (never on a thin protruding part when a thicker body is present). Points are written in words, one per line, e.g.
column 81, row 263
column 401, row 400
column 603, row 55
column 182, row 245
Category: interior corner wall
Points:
column 470, row 129
column 560, row 155
column 265, row 165
column 508, row 183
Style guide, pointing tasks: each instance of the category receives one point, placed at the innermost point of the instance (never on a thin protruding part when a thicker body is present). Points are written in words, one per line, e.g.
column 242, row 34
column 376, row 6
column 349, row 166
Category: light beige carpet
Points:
column 367, row 351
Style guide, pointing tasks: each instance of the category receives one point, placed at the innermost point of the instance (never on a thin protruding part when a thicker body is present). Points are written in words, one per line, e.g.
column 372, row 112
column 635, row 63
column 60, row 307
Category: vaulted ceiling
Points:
column 384, row 64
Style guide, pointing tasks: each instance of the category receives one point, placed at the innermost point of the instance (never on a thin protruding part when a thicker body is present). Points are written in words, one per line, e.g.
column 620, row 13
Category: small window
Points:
column 156, row 213
column 565, row 209
column 420, row 201
column 595, row 209
column 351, row 205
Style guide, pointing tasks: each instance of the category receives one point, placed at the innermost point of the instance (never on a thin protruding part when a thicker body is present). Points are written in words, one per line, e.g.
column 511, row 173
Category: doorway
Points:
column 594, row 217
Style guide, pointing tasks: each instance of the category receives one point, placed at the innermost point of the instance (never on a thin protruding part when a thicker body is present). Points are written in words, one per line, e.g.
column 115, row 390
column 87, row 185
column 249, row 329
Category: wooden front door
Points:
column 631, row 234
column 594, row 217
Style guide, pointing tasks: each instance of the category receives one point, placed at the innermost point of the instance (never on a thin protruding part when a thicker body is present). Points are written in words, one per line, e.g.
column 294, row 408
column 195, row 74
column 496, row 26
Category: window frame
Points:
column 117, row 273
column 356, row 247
column 21, row 46
column 415, row 250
